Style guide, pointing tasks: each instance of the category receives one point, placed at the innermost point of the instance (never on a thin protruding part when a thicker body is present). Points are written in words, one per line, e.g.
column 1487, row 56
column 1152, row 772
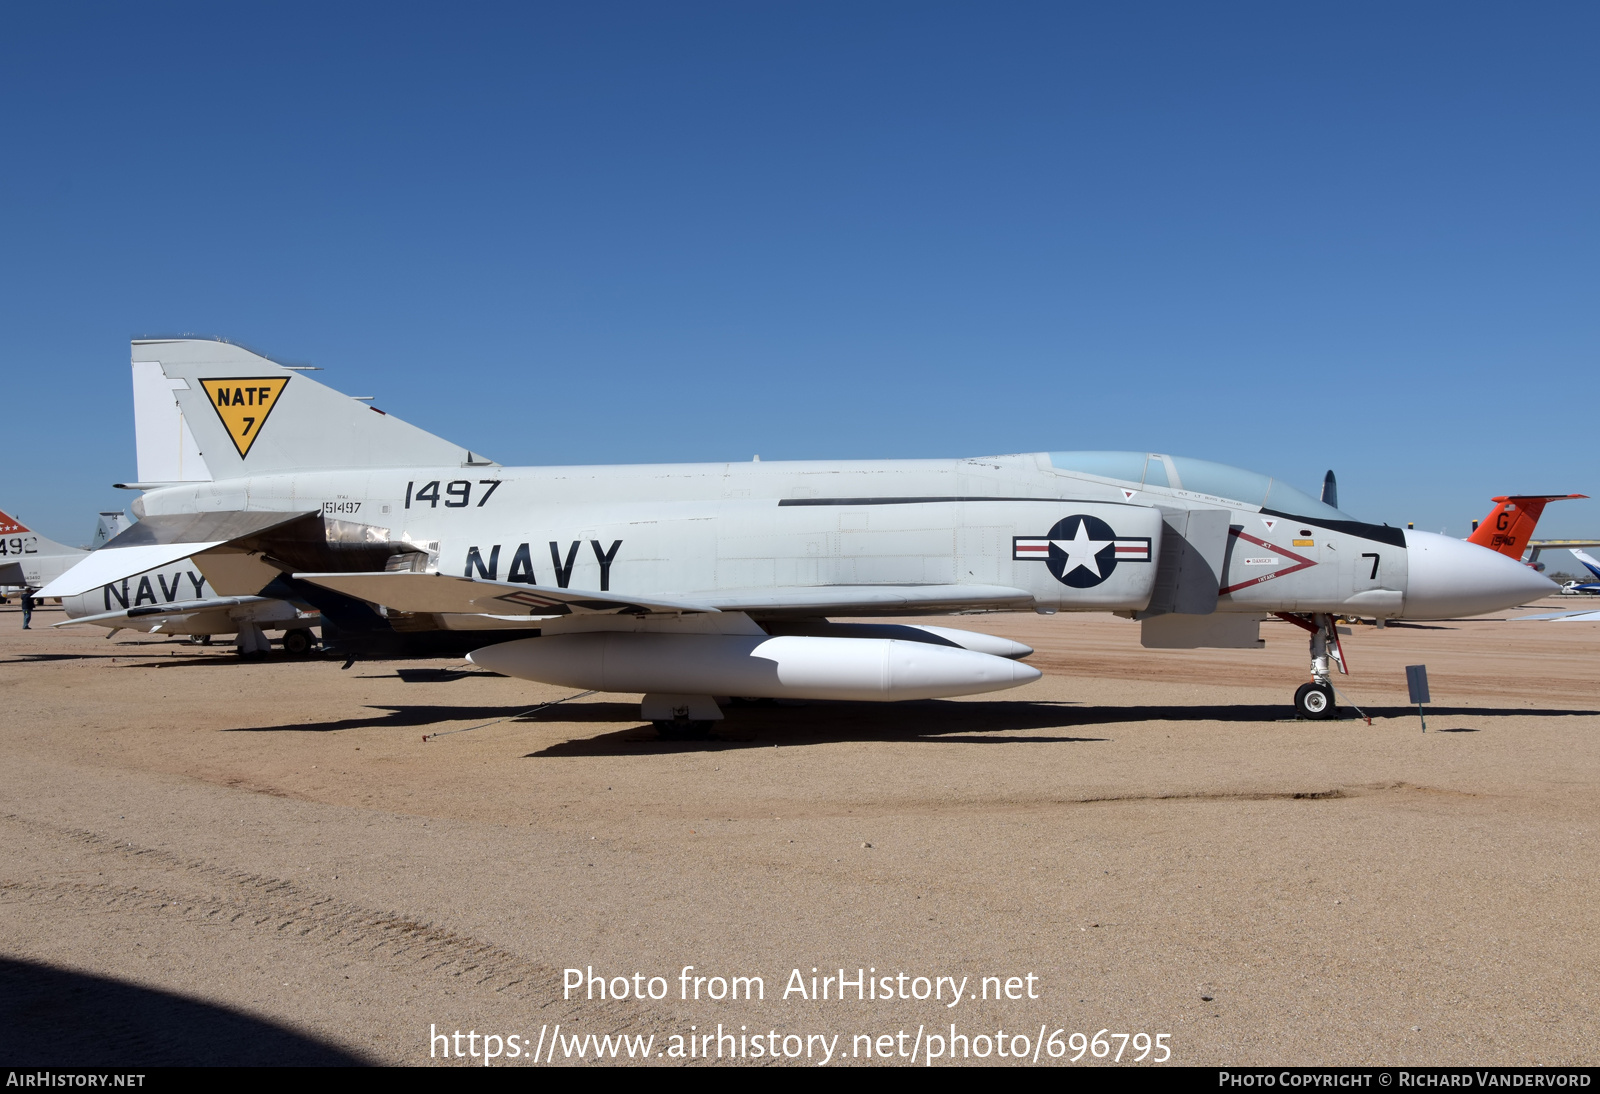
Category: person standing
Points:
column 27, row 608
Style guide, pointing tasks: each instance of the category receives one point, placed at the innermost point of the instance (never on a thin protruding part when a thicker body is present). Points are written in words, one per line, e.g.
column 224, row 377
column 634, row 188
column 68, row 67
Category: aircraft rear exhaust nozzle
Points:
column 1449, row 578
column 755, row 666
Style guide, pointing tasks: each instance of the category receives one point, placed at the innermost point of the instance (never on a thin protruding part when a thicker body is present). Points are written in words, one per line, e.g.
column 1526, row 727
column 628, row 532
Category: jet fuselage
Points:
column 1072, row 540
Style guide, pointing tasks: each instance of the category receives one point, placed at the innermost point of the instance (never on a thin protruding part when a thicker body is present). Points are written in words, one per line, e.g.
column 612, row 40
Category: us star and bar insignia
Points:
column 1081, row 551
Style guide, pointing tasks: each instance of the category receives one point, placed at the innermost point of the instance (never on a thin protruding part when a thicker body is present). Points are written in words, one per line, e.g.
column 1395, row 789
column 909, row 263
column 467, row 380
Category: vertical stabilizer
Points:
column 1510, row 524
column 30, row 542
column 166, row 447
column 109, row 527
column 249, row 415
column 1590, row 563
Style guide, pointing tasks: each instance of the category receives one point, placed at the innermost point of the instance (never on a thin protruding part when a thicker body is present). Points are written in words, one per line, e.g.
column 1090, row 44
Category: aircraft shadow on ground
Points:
column 55, row 1017
column 106, row 654
column 32, row 658
column 221, row 655
column 932, row 721
column 944, row 722
column 428, row 716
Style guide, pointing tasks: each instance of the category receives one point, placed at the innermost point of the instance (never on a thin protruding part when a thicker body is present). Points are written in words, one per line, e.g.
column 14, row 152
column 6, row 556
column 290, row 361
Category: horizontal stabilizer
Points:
column 444, row 594
column 105, row 566
column 216, row 527
column 158, row 541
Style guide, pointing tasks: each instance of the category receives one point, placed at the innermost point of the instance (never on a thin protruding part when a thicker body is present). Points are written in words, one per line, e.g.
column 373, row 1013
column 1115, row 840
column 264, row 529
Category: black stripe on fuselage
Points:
column 1380, row 532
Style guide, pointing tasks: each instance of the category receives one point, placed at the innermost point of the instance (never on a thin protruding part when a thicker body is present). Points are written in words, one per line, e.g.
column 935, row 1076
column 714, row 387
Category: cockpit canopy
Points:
column 1201, row 476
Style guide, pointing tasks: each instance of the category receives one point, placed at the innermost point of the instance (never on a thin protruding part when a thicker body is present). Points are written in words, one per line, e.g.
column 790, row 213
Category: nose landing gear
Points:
column 1316, row 699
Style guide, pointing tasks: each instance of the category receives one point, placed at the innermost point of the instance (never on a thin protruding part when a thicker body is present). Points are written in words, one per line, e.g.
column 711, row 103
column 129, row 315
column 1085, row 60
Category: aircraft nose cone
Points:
column 1447, row 578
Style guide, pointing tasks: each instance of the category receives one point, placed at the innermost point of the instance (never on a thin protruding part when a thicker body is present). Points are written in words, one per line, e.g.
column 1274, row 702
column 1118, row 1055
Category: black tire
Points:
column 1315, row 701
column 297, row 643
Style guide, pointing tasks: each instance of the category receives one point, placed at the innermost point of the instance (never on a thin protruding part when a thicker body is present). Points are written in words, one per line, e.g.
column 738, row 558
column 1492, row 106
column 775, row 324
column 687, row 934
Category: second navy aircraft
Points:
column 693, row 582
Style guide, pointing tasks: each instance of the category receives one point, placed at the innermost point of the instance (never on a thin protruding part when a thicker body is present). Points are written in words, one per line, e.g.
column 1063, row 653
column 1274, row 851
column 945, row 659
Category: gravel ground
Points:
column 209, row 861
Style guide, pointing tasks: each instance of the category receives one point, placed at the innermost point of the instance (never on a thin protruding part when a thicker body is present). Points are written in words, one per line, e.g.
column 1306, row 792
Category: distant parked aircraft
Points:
column 1509, row 526
column 1593, row 566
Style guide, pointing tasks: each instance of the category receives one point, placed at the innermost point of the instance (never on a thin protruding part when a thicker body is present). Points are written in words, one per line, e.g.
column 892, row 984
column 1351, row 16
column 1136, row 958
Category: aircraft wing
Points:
column 843, row 599
column 447, row 595
column 1563, row 617
column 161, row 540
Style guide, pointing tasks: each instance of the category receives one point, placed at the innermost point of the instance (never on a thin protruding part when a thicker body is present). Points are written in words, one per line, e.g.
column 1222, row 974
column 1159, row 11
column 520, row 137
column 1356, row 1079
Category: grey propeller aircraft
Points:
column 29, row 561
column 694, row 582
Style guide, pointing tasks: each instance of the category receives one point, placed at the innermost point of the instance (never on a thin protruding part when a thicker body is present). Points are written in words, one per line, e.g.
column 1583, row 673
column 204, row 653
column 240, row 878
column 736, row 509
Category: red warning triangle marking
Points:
column 1127, row 495
column 1301, row 562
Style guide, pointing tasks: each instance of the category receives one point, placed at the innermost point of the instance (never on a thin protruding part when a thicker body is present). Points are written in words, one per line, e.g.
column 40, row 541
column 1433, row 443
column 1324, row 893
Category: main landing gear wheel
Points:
column 1315, row 701
column 297, row 643
column 683, row 731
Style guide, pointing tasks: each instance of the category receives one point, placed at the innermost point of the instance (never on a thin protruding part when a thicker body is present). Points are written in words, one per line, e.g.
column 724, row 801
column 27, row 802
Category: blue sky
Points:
column 1289, row 237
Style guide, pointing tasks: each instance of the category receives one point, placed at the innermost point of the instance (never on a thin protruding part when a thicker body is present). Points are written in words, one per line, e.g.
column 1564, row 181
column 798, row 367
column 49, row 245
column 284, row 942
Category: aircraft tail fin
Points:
column 242, row 414
column 109, row 527
column 12, row 528
column 1510, row 524
column 1589, row 562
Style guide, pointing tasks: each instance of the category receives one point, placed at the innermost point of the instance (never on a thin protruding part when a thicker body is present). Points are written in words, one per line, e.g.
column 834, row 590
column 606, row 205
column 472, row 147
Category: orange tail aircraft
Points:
column 1509, row 525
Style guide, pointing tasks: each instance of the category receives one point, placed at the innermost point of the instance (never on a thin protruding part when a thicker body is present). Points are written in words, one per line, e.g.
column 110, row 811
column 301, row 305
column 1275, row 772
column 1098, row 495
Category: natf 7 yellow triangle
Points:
column 243, row 403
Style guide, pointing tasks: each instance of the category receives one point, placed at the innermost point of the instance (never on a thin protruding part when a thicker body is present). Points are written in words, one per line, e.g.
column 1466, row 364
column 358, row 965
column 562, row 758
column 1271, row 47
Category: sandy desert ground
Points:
column 203, row 860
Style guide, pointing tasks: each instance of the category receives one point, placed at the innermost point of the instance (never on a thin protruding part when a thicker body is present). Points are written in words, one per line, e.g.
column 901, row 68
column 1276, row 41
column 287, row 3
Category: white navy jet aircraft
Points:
column 691, row 582
column 177, row 600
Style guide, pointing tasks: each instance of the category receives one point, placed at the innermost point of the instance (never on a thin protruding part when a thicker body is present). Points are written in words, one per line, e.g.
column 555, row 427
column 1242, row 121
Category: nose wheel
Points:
column 1315, row 701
